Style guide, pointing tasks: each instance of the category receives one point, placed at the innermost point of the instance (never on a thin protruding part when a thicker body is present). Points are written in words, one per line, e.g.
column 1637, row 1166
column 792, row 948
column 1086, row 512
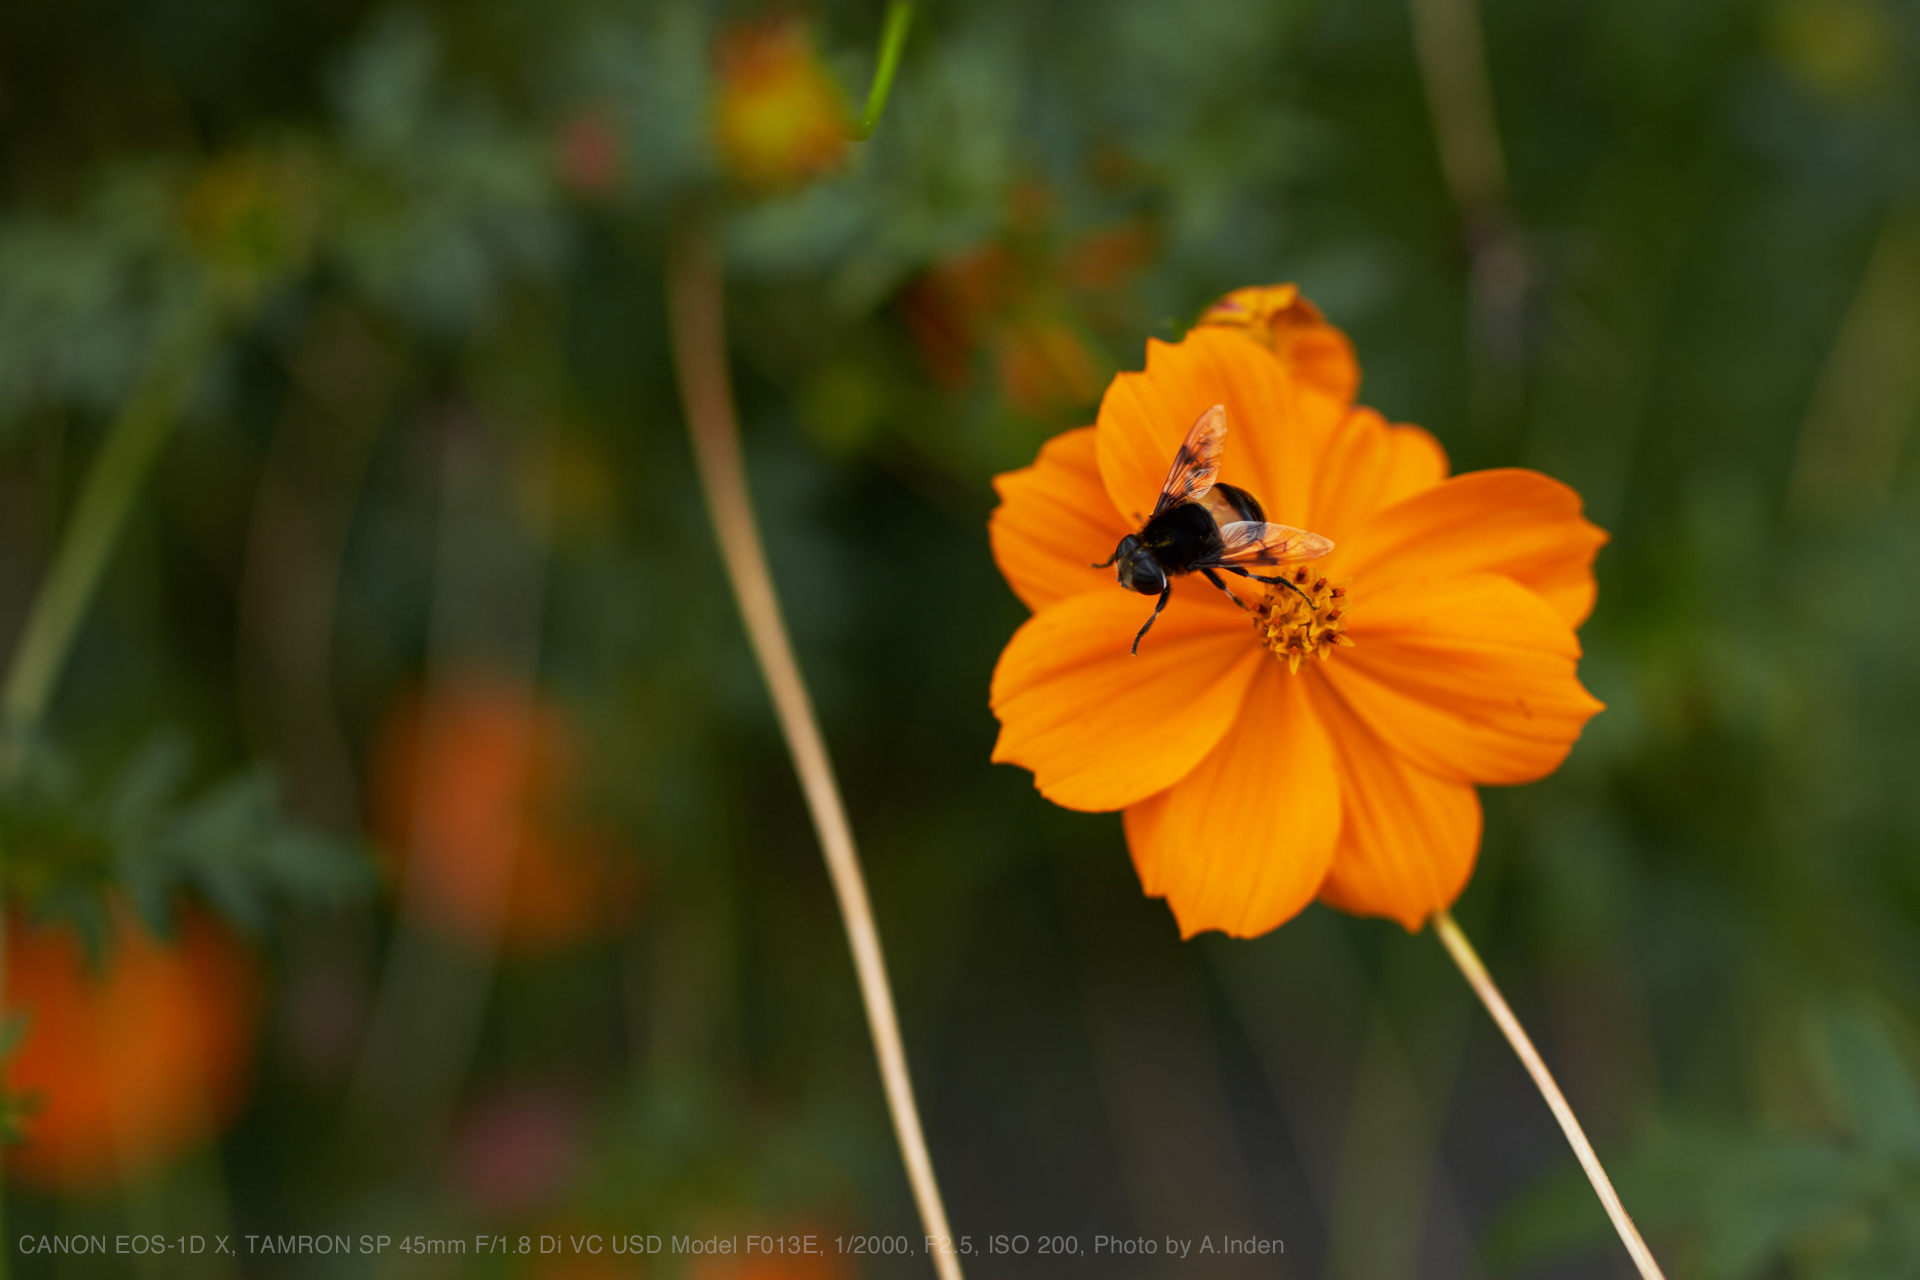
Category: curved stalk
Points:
column 114, row 480
column 1477, row 977
column 893, row 38
column 699, row 354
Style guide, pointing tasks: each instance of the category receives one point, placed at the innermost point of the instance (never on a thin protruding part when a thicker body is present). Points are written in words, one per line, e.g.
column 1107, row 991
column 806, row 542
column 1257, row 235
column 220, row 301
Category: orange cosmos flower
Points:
column 781, row 119
column 134, row 1061
column 1268, row 755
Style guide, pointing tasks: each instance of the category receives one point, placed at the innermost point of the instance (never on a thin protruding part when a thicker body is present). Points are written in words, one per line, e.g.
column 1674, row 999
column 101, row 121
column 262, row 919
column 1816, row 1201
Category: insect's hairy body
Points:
column 1198, row 526
column 1182, row 536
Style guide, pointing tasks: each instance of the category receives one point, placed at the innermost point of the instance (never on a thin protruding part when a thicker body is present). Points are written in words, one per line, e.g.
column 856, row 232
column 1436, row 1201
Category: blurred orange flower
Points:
column 471, row 787
column 134, row 1063
column 1020, row 310
column 950, row 309
column 1441, row 628
column 780, row 118
column 1044, row 366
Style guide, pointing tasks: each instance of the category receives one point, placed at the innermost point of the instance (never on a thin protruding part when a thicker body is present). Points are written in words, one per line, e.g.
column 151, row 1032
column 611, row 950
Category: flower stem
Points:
column 113, row 481
column 1477, row 977
column 893, row 38
column 699, row 353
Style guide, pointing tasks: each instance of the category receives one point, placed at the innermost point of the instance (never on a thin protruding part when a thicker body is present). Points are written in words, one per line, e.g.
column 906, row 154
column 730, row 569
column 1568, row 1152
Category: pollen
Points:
column 1309, row 622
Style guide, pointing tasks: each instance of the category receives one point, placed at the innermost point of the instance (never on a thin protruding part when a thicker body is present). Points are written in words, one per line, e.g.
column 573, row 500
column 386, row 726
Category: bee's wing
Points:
column 1197, row 462
column 1255, row 542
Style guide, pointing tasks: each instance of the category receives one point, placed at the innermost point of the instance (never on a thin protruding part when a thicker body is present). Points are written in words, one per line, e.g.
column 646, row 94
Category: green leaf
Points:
column 1867, row 1082
column 62, row 851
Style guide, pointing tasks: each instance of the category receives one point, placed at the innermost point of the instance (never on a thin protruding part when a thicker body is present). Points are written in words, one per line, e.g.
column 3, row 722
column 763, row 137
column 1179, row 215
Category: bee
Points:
column 1198, row 526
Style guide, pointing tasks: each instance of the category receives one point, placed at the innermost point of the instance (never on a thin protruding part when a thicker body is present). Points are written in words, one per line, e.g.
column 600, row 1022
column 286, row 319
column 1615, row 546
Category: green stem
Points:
column 115, row 479
column 893, row 38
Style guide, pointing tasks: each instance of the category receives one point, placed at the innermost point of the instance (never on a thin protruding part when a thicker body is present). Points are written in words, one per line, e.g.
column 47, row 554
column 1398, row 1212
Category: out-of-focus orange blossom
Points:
column 780, row 118
column 949, row 309
column 1021, row 302
column 133, row 1062
column 472, row 786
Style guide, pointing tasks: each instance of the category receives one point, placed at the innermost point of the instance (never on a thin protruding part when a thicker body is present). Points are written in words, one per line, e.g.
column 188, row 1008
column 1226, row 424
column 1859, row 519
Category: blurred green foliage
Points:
column 440, row 430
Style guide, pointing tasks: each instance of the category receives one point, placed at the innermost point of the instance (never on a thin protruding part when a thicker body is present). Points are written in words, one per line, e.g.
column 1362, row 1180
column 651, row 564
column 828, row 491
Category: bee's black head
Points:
column 1138, row 570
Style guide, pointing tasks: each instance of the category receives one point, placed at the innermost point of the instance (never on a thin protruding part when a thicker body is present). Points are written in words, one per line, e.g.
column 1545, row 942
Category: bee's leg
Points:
column 1214, row 578
column 1164, row 594
column 1281, row 581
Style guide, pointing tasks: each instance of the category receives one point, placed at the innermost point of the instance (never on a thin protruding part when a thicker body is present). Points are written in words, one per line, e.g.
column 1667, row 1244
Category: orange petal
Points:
column 1277, row 426
column 1242, row 843
column 1470, row 678
column 1102, row 730
column 1054, row 521
column 1369, row 465
column 1513, row 522
column 1407, row 839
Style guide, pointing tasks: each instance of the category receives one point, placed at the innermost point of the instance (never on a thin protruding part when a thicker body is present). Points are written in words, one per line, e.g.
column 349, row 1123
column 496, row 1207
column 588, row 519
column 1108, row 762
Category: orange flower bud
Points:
column 1279, row 319
column 781, row 119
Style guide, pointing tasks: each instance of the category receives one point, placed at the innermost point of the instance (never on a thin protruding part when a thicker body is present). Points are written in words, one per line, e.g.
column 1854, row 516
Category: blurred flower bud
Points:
column 134, row 1061
column 1839, row 48
column 1279, row 319
column 781, row 119
column 1045, row 368
column 251, row 217
column 949, row 310
column 590, row 155
column 516, row 1147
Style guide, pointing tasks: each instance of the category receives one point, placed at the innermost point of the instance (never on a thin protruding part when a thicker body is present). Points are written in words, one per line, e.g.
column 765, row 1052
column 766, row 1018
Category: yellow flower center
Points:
column 1312, row 620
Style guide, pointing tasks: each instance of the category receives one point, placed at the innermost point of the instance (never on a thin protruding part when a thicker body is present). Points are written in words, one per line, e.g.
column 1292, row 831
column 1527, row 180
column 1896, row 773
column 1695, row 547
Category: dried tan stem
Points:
column 1453, row 70
column 699, row 351
column 1476, row 974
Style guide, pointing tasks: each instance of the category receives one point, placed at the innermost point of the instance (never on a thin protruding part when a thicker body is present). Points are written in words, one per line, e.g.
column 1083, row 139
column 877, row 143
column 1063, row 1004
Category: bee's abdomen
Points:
column 1227, row 503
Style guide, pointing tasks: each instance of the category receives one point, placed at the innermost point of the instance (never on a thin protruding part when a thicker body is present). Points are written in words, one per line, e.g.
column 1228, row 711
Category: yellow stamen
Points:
column 1294, row 627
